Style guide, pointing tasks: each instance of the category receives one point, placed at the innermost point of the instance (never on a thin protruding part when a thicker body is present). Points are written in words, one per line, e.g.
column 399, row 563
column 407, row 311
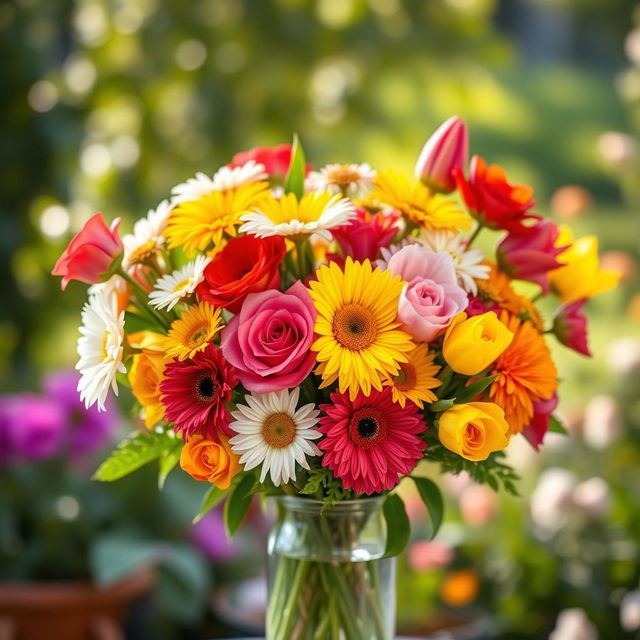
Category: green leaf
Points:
column 113, row 557
column 442, row 405
column 237, row 504
column 294, row 182
column 134, row 322
column 432, row 498
column 168, row 460
column 210, row 500
column 132, row 453
column 398, row 526
column 555, row 426
column 468, row 393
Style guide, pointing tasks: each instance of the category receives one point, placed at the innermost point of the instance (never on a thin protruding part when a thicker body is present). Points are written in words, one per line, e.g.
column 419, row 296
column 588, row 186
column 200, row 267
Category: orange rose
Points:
column 210, row 460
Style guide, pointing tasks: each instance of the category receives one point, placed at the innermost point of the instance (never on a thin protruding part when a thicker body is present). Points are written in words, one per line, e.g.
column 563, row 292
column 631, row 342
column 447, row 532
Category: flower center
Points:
column 473, row 436
column 181, row 285
column 197, row 336
column 103, row 352
column 344, row 176
column 143, row 252
column 206, row 389
column 367, row 427
column 279, row 430
column 354, row 327
column 406, row 378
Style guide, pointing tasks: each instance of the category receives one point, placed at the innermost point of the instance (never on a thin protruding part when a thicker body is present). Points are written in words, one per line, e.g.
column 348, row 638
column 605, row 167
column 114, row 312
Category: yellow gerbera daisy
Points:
column 418, row 203
column 360, row 343
column 287, row 216
column 193, row 331
column 198, row 224
column 415, row 379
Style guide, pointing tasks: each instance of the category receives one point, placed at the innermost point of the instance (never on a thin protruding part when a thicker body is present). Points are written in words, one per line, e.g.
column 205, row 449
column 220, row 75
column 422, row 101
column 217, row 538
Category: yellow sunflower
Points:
column 415, row 379
column 193, row 331
column 198, row 224
column 418, row 203
column 360, row 342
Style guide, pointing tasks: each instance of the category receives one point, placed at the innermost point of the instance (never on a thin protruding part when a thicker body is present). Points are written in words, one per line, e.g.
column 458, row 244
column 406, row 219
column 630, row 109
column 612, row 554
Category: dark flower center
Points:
column 367, row 427
column 206, row 389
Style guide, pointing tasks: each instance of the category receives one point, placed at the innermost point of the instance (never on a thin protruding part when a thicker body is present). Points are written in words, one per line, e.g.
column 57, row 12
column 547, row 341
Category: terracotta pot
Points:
column 68, row 610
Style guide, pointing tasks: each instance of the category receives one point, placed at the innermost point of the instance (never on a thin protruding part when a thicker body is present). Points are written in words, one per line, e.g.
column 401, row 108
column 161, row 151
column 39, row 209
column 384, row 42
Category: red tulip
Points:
column 276, row 160
column 570, row 327
column 91, row 253
column 531, row 253
column 363, row 236
column 492, row 199
column 444, row 152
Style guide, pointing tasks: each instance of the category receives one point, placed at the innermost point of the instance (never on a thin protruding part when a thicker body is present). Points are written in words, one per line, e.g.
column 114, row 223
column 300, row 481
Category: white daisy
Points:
column 100, row 348
column 349, row 179
column 148, row 235
column 467, row 261
column 287, row 216
column 273, row 433
column 225, row 178
column 171, row 288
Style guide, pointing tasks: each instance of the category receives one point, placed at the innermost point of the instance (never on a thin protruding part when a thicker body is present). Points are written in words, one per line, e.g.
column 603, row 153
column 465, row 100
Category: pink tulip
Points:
column 91, row 253
column 531, row 253
column 536, row 430
column 446, row 150
column 363, row 236
column 570, row 327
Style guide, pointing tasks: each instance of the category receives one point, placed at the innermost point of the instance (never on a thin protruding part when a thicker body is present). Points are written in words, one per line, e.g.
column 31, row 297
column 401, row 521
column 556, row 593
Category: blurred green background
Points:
column 106, row 104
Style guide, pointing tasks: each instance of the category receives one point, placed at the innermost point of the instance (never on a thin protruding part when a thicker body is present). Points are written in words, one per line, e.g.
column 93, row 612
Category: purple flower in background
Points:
column 33, row 427
column 87, row 429
column 209, row 535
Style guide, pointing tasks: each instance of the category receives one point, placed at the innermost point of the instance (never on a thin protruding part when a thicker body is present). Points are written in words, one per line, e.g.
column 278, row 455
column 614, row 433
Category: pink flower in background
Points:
column 536, row 430
column 269, row 340
column 573, row 624
column 362, row 238
column 531, row 254
column 428, row 555
column 432, row 295
column 478, row 504
column 570, row 327
column 477, row 307
column 444, row 152
column 90, row 253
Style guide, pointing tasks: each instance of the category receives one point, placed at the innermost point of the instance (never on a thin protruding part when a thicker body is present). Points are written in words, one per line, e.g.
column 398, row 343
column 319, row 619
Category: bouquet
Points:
column 318, row 333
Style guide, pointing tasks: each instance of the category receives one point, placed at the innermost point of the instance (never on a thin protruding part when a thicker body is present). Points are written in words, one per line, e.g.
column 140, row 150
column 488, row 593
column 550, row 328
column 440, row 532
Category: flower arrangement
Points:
column 319, row 333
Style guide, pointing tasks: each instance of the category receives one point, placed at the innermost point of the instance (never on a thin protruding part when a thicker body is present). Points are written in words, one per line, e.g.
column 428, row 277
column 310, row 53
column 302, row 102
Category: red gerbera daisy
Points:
column 371, row 441
column 194, row 393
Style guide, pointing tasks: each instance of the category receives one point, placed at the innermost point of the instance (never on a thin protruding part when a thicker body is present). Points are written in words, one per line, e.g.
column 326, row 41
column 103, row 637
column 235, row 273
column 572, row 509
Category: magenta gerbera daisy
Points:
column 370, row 441
column 195, row 392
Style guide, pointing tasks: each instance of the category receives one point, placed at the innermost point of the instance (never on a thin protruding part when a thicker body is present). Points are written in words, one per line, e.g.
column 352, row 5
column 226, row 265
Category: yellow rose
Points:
column 146, row 373
column 210, row 460
column 472, row 344
column 474, row 430
column 581, row 276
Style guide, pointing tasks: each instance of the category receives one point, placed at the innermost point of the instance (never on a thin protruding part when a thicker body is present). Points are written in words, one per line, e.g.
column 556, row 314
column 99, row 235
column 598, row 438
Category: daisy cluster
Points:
column 285, row 322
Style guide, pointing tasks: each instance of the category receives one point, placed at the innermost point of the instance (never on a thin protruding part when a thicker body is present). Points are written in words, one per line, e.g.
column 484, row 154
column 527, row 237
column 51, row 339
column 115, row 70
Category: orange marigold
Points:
column 526, row 373
column 497, row 288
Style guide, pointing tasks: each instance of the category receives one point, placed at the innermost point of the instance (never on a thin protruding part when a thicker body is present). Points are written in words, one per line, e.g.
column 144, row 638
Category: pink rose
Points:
column 269, row 340
column 432, row 296
column 91, row 252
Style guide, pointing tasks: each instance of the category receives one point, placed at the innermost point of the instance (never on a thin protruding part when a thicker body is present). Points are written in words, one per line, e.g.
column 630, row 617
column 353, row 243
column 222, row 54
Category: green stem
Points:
column 143, row 299
column 475, row 234
column 537, row 296
column 290, row 609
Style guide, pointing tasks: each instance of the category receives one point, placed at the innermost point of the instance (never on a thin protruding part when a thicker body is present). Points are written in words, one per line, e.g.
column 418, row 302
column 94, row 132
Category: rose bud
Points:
column 570, row 327
column 446, row 150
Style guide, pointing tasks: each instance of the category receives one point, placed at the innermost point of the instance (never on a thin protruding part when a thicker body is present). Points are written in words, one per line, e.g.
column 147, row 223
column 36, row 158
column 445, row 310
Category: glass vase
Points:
column 328, row 577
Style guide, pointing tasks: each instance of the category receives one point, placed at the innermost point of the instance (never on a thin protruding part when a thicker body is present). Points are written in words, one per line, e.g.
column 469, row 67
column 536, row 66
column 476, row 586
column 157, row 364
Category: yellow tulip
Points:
column 472, row 344
column 474, row 430
column 580, row 276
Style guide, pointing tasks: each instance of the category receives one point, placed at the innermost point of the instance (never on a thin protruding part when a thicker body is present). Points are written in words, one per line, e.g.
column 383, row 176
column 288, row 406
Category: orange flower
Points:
column 210, row 460
column 460, row 588
column 526, row 373
column 497, row 288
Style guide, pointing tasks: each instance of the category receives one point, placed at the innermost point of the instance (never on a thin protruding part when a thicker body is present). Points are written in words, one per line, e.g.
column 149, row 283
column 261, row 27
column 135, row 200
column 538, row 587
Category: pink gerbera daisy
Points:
column 194, row 393
column 370, row 441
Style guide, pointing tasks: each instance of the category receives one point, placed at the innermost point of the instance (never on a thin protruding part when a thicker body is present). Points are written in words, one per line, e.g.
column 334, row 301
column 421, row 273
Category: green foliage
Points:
column 468, row 393
column 555, row 426
column 237, row 504
column 398, row 525
column 432, row 498
column 169, row 458
column 294, row 182
column 323, row 485
column 213, row 497
column 132, row 453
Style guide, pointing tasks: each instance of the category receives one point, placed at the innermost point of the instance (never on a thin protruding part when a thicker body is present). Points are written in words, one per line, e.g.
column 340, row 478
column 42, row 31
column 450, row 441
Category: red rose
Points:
column 492, row 199
column 90, row 253
column 276, row 160
column 246, row 265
